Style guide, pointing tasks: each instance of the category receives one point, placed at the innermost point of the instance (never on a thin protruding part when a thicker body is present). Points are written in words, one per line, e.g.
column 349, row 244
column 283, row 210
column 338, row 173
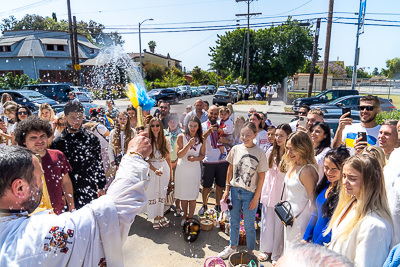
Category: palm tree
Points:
column 152, row 45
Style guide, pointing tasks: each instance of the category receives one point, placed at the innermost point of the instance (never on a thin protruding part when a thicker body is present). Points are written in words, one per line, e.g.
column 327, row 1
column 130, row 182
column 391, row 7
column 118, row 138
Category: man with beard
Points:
column 91, row 236
column 164, row 112
column 34, row 133
column 388, row 138
column 83, row 151
column 347, row 132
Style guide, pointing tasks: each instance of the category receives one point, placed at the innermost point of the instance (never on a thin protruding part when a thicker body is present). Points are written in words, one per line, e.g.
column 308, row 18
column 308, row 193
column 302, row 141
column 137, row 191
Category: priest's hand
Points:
column 140, row 144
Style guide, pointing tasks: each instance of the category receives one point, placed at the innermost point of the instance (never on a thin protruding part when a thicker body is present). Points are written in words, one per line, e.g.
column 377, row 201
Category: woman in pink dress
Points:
column 271, row 237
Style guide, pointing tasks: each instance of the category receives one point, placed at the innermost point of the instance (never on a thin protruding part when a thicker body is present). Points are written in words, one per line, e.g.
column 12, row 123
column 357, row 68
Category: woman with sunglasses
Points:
column 271, row 236
column 261, row 139
column 190, row 153
column 160, row 173
column 23, row 112
column 362, row 225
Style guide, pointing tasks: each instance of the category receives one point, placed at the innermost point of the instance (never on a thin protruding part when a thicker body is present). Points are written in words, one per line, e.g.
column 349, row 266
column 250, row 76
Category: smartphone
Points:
column 346, row 110
column 213, row 122
column 363, row 135
column 303, row 121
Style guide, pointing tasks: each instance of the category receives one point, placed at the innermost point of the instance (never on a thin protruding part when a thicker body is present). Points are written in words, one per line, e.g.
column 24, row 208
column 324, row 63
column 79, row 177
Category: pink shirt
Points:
column 273, row 184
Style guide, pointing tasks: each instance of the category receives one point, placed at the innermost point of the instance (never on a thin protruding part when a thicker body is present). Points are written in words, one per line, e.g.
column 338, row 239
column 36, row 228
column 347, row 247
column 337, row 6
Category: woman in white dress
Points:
column 300, row 181
column 362, row 226
column 261, row 139
column 320, row 134
column 160, row 173
column 188, row 171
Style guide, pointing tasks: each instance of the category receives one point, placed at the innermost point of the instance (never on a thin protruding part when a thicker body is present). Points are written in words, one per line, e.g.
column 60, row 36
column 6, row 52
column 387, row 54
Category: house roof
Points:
column 136, row 55
column 88, row 44
column 10, row 41
column 54, row 41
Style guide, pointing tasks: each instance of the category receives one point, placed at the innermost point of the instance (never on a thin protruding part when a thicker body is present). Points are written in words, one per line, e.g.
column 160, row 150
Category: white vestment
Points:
column 91, row 236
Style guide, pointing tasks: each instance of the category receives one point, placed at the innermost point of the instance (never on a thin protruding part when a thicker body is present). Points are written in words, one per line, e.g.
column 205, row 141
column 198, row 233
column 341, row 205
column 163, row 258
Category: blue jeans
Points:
column 240, row 202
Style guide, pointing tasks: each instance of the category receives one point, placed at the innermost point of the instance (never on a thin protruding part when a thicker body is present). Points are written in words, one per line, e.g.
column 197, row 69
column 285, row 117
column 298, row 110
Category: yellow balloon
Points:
column 131, row 93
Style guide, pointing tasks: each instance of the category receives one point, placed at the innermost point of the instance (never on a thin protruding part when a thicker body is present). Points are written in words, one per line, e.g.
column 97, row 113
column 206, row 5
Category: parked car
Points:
column 205, row 90
column 222, row 87
column 212, row 88
column 180, row 91
column 58, row 92
column 235, row 93
column 59, row 109
column 322, row 97
column 188, row 91
column 223, row 97
column 196, row 91
column 167, row 94
column 352, row 101
column 83, row 90
column 30, row 98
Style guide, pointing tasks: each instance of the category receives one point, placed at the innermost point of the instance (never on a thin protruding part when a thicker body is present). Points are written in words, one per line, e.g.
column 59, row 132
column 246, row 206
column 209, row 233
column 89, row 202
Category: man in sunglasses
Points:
column 34, row 133
column 164, row 112
column 347, row 132
column 303, row 111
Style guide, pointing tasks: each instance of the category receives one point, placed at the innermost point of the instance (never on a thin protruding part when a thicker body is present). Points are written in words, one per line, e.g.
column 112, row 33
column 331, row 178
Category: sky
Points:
column 377, row 44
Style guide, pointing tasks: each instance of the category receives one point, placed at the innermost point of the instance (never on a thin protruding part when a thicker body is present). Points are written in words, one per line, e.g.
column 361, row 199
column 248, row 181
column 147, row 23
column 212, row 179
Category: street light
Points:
column 140, row 47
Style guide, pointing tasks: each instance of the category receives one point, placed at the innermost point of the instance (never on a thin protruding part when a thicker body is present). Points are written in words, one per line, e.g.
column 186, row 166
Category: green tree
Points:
column 153, row 71
column 360, row 73
column 275, row 52
column 337, row 70
column 393, row 68
column 197, row 75
column 376, row 72
column 92, row 30
column 307, row 68
column 152, row 46
column 11, row 82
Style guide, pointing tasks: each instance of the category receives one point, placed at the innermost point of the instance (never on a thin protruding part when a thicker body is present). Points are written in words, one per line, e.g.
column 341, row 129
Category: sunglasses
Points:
column 22, row 113
column 303, row 113
column 155, row 126
column 163, row 107
column 368, row 108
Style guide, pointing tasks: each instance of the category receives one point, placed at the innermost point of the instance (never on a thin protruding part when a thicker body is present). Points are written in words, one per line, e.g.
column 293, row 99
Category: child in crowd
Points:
column 271, row 136
column 225, row 130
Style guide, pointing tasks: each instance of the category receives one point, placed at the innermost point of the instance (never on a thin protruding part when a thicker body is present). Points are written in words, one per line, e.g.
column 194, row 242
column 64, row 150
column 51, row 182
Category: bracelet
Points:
column 137, row 153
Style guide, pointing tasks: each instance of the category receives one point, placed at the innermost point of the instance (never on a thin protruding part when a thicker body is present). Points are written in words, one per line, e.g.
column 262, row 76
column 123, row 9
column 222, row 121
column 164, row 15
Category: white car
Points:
column 221, row 87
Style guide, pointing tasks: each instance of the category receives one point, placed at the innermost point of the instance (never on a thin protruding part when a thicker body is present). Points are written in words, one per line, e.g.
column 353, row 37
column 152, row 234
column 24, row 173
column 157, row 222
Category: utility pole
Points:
column 71, row 42
column 327, row 46
column 77, row 66
column 314, row 58
column 248, row 37
column 360, row 30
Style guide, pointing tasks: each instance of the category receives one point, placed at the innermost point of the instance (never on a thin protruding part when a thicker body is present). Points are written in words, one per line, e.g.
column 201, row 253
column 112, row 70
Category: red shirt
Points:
column 55, row 165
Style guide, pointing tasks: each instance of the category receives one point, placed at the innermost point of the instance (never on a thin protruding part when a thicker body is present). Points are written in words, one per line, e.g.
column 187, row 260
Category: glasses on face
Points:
column 163, row 107
column 188, row 108
column 155, row 125
column 22, row 113
column 302, row 113
column 368, row 108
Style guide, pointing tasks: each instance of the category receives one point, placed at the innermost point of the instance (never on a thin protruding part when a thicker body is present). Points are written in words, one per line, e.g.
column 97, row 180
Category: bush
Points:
column 384, row 115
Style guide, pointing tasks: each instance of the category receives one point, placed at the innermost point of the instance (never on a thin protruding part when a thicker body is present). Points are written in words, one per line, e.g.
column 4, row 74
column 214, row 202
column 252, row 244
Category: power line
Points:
column 295, row 8
column 36, row 4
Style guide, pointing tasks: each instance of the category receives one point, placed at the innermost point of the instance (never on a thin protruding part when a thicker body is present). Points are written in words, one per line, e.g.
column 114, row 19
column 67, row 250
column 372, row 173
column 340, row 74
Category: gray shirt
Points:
column 204, row 116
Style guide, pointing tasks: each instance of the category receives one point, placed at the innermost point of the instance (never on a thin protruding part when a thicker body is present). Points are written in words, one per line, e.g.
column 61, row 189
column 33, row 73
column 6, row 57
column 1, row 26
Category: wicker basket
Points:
column 206, row 225
column 242, row 257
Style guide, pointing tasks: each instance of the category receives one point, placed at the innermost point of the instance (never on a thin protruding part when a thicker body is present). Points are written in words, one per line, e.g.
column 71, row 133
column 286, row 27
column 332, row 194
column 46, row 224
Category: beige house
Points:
column 157, row 59
column 300, row 82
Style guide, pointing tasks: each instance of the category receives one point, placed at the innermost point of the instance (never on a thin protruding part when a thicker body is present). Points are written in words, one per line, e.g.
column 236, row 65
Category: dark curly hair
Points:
column 31, row 124
column 73, row 106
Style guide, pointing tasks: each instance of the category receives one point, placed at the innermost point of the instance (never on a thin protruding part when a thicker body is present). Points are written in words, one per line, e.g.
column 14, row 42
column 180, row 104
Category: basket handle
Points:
column 244, row 249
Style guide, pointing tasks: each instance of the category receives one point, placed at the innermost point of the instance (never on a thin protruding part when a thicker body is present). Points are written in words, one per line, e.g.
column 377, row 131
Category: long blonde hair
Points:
column 377, row 152
column 302, row 144
column 162, row 143
column 372, row 197
column 4, row 97
column 48, row 107
column 129, row 134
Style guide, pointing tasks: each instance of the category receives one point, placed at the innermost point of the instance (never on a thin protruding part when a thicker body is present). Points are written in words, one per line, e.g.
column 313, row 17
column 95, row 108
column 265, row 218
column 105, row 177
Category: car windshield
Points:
column 31, row 96
column 335, row 101
column 154, row 92
column 222, row 93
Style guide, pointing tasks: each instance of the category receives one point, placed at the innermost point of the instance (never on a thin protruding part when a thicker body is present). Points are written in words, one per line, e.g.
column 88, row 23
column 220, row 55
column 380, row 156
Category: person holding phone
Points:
column 347, row 132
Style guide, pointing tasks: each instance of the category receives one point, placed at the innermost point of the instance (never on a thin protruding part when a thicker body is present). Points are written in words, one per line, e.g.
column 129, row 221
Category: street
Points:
column 179, row 108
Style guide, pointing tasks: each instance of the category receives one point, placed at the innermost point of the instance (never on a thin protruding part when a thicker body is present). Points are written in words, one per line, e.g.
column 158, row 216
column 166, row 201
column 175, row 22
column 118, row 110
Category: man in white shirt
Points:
column 263, row 90
column 388, row 138
column 91, row 236
column 347, row 132
column 303, row 111
column 270, row 92
column 198, row 111
column 72, row 97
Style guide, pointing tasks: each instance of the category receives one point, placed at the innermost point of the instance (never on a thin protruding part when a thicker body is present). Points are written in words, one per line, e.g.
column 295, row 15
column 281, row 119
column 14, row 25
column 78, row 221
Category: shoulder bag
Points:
column 284, row 211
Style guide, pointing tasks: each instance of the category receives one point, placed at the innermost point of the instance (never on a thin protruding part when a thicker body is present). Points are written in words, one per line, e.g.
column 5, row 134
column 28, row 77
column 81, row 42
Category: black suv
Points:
column 167, row 94
column 322, row 97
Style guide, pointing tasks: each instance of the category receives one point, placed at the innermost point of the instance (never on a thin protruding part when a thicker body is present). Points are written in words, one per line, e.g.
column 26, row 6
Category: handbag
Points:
column 284, row 211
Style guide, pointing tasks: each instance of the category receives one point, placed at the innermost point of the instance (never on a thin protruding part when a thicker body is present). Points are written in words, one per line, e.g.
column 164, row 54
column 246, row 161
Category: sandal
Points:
column 273, row 263
column 156, row 225
column 164, row 222
column 263, row 256
column 178, row 213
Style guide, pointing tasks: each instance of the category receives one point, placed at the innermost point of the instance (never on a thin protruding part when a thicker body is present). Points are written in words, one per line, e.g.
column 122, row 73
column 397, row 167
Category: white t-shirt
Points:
column 212, row 154
column 247, row 163
column 228, row 126
column 261, row 140
column 320, row 159
column 350, row 134
column 293, row 125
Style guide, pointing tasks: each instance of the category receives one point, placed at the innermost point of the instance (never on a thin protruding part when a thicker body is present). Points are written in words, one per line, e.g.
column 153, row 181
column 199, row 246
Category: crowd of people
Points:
column 340, row 188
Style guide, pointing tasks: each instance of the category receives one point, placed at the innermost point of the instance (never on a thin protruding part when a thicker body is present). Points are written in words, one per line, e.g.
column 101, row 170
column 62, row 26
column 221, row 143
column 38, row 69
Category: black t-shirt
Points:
column 83, row 152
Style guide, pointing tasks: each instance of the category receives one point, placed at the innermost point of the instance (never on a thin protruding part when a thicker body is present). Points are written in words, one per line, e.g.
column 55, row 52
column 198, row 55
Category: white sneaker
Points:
column 226, row 252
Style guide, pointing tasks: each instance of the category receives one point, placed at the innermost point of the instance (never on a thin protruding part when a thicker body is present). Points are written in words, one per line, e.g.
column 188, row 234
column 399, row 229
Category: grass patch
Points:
column 251, row 102
column 288, row 110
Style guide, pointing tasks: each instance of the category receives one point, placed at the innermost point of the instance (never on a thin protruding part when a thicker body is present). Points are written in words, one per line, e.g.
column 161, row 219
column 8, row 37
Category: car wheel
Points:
column 176, row 100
